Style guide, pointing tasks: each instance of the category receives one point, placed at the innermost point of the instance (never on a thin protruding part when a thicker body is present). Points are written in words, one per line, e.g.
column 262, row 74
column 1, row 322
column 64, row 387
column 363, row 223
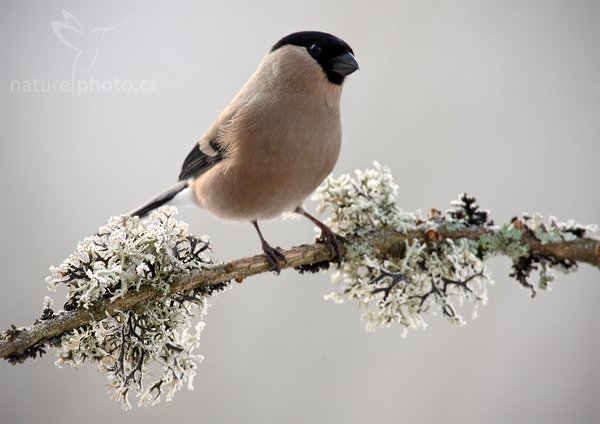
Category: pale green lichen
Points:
column 546, row 275
column 551, row 232
column 399, row 290
column 363, row 204
column 556, row 231
column 402, row 291
column 126, row 255
column 427, row 276
column 505, row 241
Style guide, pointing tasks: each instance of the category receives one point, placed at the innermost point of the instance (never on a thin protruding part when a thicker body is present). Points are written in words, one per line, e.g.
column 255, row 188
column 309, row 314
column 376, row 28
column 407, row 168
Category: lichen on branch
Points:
column 436, row 272
column 122, row 257
column 137, row 290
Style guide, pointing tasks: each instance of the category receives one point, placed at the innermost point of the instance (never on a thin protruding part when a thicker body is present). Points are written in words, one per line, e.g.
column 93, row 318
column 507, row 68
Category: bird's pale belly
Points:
column 269, row 187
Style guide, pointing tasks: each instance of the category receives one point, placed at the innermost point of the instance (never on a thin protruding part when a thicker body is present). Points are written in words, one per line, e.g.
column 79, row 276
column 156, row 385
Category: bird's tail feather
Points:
column 160, row 200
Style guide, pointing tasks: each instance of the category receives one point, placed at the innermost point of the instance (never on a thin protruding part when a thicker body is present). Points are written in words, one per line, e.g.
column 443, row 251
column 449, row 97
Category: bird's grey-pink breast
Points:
column 282, row 139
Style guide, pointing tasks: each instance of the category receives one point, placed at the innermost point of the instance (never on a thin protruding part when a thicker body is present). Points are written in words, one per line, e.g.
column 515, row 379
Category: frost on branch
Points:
column 126, row 255
column 432, row 274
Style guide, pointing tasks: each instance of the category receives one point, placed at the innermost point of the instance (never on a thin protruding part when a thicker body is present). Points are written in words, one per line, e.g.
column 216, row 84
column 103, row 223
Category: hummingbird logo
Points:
column 85, row 43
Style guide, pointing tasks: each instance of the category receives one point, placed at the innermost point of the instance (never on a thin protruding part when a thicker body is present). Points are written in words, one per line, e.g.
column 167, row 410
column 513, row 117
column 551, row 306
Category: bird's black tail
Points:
column 160, row 200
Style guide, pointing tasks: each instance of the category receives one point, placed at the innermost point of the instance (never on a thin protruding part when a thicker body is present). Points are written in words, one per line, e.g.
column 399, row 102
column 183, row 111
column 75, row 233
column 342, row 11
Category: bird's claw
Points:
column 332, row 240
column 274, row 256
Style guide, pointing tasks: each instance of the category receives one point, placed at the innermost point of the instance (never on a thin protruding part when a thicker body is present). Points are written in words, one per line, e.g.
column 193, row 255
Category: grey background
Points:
column 497, row 98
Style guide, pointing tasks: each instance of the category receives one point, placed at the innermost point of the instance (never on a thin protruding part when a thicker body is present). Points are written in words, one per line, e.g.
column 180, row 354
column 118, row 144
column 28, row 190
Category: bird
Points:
column 275, row 142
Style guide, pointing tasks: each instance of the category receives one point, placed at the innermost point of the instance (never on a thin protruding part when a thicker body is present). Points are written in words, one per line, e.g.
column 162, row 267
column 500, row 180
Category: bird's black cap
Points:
column 334, row 55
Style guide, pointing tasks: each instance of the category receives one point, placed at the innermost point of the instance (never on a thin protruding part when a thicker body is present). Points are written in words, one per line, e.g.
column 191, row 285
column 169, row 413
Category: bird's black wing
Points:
column 197, row 162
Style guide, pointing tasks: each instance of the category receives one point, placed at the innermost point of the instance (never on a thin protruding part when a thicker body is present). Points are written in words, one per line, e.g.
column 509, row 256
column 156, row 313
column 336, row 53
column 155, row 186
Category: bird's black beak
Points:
column 344, row 64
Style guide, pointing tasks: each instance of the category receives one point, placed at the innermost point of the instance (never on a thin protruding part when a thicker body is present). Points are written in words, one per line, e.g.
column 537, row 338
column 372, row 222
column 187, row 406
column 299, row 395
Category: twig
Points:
column 15, row 343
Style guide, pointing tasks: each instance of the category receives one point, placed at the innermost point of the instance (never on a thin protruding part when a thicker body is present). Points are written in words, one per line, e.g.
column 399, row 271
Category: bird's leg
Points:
column 272, row 254
column 327, row 236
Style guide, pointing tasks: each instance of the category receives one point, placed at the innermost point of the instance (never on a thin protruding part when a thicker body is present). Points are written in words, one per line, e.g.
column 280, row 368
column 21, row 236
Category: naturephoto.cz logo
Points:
column 86, row 46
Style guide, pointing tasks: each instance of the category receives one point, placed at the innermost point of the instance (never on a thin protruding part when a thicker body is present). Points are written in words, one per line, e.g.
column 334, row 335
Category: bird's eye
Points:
column 315, row 49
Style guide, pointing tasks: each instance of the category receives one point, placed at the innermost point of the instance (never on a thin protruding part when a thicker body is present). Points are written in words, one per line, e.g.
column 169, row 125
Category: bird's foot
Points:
column 332, row 241
column 274, row 256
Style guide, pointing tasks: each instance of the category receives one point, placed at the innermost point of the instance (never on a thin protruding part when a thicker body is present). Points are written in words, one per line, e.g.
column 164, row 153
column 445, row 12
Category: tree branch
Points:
column 16, row 344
